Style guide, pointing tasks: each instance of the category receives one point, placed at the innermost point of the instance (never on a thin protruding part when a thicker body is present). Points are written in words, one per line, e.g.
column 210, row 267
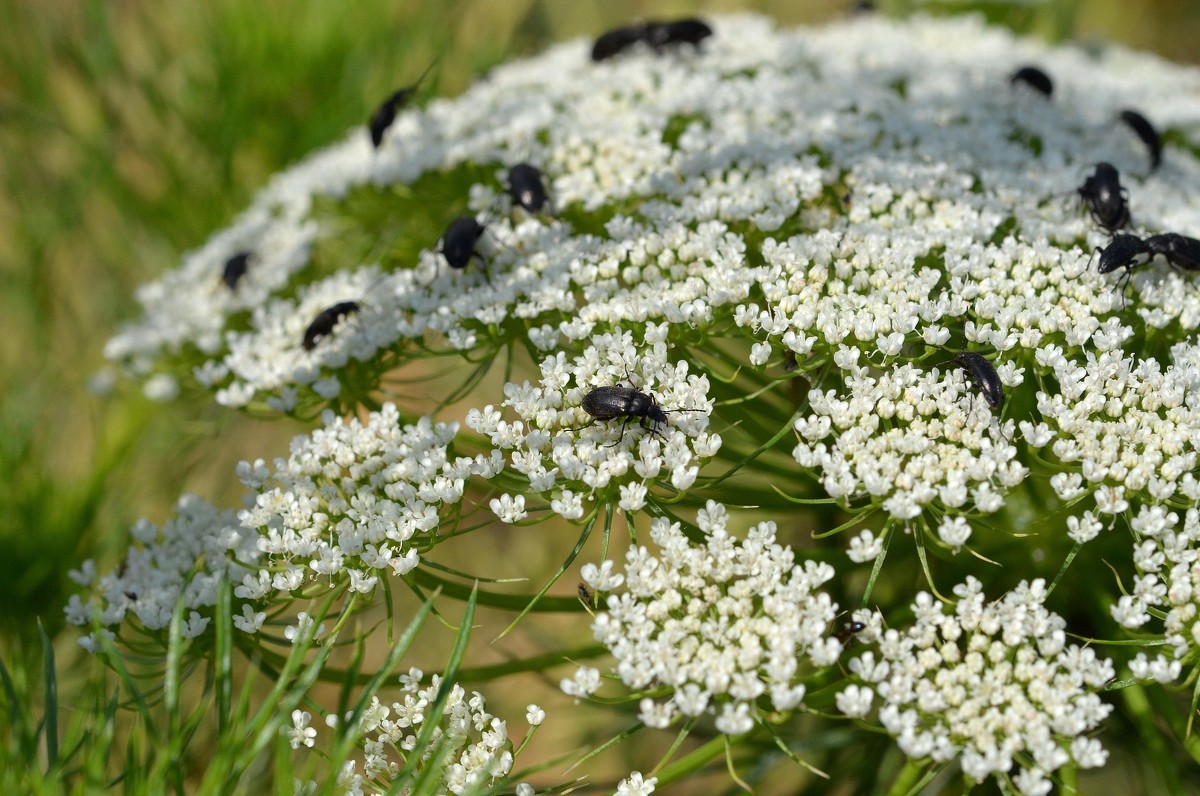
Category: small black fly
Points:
column 586, row 597
column 660, row 35
column 851, row 629
column 609, row 403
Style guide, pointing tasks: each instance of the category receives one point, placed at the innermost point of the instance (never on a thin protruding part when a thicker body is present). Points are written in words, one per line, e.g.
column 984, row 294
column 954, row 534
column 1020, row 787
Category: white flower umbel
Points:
column 1129, row 426
column 852, row 199
column 472, row 743
column 187, row 555
column 994, row 686
column 728, row 627
column 908, row 438
column 917, row 158
column 356, row 501
column 569, row 456
column 786, row 236
column 1168, row 565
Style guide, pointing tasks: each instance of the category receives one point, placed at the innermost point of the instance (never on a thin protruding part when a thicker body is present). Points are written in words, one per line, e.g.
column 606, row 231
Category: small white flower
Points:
column 585, row 683
column 91, row 642
column 1067, row 486
column 253, row 475
column 633, row 497
column 249, row 621
column 656, row 715
column 954, row 531
column 568, row 505
column 510, row 509
column 534, row 715
column 1111, row 500
column 865, row 547
column 194, row 625
column 601, row 578
column 1083, row 529
column 735, row 719
column 855, row 701
column 636, row 785
column 300, row 632
column 301, row 734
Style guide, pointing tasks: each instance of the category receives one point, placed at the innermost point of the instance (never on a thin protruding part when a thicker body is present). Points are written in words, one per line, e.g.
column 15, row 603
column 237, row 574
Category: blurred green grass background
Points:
column 129, row 132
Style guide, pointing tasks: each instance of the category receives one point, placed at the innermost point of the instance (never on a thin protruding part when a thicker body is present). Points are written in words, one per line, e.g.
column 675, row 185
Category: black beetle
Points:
column 1034, row 78
column 1105, row 199
column 385, row 114
column 683, row 31
column 1145, row 131
column 323, row 324
column 526, row 187
column 457, row 244
column 984, row 374
column 609, row 403
column 1179, row 250
column 657, row 35
column 1121, row 252
column 851, row 628
column 235, row 269
column 616, row 40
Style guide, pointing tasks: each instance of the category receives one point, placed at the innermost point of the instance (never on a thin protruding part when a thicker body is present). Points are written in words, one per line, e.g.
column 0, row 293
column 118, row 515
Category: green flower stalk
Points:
column 836, row 288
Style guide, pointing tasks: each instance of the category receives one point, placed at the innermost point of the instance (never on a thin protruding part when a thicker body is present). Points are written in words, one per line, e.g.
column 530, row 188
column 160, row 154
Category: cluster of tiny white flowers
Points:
column 993, row 685
column 269, row 357
column 1167, row 558
column 1125, row 426
column 907, row 438
column 952, row 221
column 563, row 453
column 354, row 500
column 187, row 556
column 474, row 743
column 190, row 306
column 722, row 625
